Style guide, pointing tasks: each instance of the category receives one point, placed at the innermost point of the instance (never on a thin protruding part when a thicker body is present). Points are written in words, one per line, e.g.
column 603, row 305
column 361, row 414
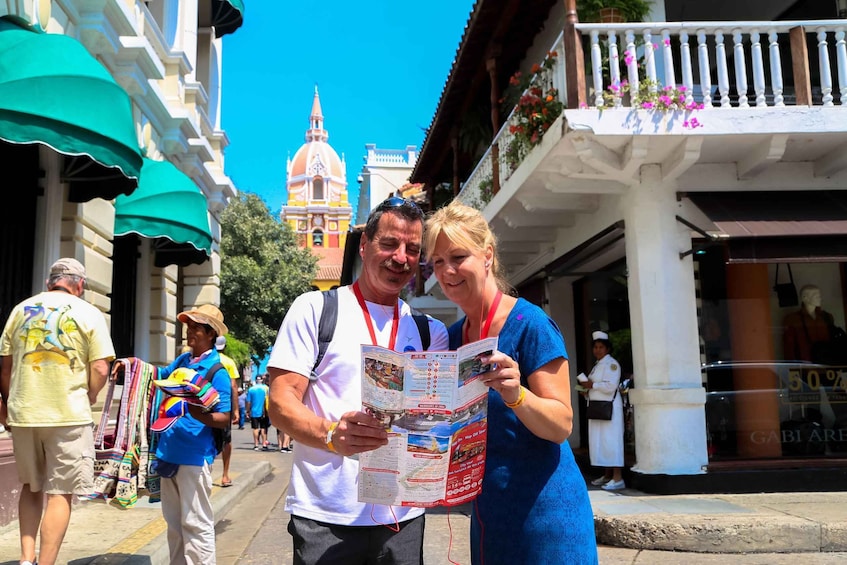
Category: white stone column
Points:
column 668, row 399
column 188, row 40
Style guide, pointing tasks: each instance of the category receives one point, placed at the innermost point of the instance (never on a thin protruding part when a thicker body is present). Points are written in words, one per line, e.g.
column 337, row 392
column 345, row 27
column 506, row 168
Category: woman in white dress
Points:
column 605, row 437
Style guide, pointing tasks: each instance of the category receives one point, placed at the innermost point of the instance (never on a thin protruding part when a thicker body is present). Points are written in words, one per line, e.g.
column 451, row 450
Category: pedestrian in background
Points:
column 232, row 370
column 534, row 506
column 257, row 399
column 54, row 359
column 242, row 407
column 322, row 410
column 186, row 450
column 605, row 437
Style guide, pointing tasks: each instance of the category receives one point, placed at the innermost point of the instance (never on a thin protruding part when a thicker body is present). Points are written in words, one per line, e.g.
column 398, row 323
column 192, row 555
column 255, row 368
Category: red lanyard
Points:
column 394, row 325
column 483, row 333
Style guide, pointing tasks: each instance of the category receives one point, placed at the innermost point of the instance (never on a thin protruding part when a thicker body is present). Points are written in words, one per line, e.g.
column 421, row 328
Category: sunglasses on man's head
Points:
column 397, row 202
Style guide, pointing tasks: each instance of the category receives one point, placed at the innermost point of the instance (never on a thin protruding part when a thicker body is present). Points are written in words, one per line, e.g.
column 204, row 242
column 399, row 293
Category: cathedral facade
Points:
column 317, row 208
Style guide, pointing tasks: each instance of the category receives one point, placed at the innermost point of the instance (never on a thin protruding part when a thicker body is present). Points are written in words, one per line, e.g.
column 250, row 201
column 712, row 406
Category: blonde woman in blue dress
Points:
column 534, row 506
column 605, row 437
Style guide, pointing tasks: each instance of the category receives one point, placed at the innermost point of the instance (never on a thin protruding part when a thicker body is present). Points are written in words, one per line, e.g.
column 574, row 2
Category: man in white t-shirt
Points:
column 323, row 414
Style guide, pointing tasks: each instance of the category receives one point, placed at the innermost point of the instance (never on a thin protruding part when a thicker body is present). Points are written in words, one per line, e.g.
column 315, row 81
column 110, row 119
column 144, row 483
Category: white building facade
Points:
column 384, row 173
column 159, row 66
column 665, row 227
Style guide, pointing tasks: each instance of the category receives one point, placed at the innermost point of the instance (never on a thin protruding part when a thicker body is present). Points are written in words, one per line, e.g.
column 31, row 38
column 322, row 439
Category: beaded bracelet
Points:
column 519, row 401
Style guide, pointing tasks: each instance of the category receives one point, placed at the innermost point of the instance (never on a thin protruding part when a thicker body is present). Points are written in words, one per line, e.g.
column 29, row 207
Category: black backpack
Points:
column 329, row 318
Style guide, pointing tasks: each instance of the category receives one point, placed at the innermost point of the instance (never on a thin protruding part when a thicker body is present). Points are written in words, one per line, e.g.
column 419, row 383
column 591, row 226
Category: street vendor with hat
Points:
column 186, row 449
column 605, row 437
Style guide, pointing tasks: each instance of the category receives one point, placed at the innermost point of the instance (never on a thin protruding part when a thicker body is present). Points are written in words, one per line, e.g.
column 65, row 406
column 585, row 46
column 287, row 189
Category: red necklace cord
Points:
column 395, row 527
column 450, row 539
column 395, row 324
column 484, row 327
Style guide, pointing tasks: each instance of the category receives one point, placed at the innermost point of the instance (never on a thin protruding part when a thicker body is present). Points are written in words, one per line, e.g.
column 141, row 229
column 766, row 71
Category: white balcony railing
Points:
column 720, row 64
column 734, row 64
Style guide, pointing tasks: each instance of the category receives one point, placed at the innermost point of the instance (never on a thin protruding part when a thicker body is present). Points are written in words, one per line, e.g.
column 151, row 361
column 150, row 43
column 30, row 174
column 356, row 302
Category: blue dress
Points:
column 534, row 505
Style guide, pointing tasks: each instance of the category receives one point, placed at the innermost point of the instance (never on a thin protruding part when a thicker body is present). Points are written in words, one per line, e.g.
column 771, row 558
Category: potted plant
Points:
column 613, row 11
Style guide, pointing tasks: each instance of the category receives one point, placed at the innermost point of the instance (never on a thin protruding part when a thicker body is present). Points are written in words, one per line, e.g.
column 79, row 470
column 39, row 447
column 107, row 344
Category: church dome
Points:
column 316, row 159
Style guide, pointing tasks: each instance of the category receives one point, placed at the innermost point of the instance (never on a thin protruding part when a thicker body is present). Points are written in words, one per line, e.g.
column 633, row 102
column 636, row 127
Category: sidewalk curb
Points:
column 223, row 499
column 716, row 534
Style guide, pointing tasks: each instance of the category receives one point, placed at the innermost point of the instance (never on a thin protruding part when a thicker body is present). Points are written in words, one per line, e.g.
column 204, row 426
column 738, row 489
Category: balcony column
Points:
column 491, row 67
column 574, row 59
column 668, row 399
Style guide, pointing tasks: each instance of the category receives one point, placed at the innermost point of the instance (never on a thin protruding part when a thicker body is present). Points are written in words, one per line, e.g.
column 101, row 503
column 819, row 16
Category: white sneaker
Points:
column 600, row 481
column 614, row 485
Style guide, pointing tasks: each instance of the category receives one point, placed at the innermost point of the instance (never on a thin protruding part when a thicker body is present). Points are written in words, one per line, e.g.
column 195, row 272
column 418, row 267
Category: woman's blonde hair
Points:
column 466, row 227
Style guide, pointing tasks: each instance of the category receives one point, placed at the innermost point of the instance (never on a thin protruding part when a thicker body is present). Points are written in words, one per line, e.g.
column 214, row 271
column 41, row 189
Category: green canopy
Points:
column 169, row 208
column 53, row 92
column 226, row 16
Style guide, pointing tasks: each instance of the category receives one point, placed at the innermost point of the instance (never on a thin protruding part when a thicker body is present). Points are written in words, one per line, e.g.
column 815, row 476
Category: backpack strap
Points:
column 329, row 318
column 212, row 370
column 326, row 325
column 422, row 321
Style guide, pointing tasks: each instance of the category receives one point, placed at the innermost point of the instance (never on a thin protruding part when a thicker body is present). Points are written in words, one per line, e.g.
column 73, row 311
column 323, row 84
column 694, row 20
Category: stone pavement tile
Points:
column 447, row 530
column 625, row 507
column 678, row 505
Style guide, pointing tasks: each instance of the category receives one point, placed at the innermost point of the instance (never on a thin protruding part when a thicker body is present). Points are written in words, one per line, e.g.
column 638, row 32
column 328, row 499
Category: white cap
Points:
column 220, row 343
column 599, row 335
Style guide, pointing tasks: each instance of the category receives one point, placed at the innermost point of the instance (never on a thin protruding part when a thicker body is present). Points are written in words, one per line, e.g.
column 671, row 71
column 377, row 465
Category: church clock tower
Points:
column 317, row 208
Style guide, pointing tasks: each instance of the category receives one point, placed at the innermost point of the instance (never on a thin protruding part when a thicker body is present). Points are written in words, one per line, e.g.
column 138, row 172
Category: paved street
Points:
column 254, row 531
column 252, row 524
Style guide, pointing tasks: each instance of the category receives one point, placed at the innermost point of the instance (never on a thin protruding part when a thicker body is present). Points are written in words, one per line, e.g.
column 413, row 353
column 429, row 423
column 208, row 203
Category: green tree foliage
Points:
column 262, row 271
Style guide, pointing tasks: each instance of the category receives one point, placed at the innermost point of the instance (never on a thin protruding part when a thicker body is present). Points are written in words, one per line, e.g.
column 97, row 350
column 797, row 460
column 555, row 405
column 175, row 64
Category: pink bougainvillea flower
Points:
column 647, row 105
column 667, row 42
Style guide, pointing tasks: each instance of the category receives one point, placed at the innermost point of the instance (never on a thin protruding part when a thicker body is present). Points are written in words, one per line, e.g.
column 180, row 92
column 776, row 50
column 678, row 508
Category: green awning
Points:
column 227, row 16
column 168, row 208
column 53, row 92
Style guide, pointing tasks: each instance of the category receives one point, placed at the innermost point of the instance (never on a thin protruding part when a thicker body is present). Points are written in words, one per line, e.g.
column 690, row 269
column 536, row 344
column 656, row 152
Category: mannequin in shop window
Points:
column 806, row 327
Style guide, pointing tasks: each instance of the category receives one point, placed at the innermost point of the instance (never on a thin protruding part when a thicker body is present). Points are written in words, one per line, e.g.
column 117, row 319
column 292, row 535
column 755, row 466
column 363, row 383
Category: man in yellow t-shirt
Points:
column 54, row 359
column 232, row 369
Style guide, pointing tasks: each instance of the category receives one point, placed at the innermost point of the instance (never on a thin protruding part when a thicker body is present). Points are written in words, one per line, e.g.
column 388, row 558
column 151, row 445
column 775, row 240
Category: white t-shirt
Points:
column 324, row 484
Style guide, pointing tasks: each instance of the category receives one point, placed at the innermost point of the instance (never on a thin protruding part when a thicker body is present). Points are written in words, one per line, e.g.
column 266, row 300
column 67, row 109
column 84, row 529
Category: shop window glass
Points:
column 775, row 371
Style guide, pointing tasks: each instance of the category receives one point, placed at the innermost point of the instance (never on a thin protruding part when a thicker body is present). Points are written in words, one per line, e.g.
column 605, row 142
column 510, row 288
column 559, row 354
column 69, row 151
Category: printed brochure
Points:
column 435, row 407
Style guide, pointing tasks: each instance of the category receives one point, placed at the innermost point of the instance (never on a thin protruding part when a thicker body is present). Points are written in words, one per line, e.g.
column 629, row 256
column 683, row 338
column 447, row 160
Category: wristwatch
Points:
column 329, row 437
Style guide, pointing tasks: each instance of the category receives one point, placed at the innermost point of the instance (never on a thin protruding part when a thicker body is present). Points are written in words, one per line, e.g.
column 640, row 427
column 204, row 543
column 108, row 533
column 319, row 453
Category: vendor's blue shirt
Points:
column 189, row 441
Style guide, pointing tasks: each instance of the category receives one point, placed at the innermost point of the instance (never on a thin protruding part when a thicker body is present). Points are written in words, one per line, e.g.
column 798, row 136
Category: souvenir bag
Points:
column 133, row 470
column 109, row 449
column 601, row 409
column 126, row 489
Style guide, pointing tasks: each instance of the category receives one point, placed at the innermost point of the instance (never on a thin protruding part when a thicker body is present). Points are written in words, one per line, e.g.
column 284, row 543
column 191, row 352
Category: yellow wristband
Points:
column 519, row 401
column 329, row 433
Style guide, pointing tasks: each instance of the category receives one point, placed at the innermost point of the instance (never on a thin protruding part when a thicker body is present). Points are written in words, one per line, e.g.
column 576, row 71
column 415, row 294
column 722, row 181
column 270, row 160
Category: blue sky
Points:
column 379, row 66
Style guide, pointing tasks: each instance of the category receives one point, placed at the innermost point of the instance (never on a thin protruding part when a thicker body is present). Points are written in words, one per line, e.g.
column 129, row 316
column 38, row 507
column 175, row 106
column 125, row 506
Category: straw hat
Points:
column 206, row 314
